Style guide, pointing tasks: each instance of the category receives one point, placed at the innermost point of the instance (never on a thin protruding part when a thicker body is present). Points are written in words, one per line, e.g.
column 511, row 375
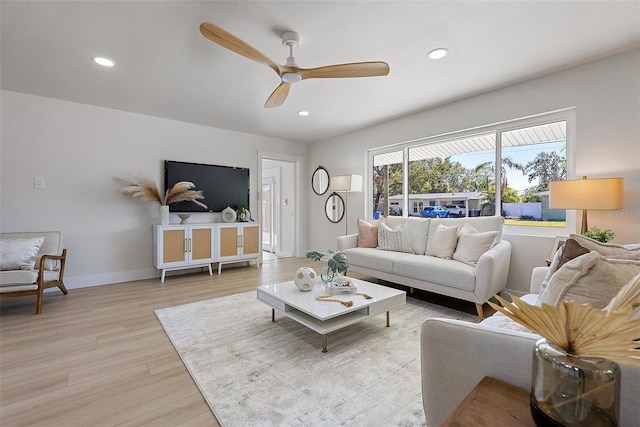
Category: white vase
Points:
column 164, row 214
column 228, row 215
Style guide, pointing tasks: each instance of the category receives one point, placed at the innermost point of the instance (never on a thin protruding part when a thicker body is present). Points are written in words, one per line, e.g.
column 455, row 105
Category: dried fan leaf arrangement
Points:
column 583, row 330
column 145, row 189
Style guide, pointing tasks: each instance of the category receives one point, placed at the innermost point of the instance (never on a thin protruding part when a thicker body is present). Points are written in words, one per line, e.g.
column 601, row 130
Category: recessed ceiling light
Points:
column 438, row 53
column 105, row 62
column 303, row 113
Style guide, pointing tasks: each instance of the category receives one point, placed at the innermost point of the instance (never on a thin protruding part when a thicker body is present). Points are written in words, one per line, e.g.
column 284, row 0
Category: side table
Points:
column 492, row 403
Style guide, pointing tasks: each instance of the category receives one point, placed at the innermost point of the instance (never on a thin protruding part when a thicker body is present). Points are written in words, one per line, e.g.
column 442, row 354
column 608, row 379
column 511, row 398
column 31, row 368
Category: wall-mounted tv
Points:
column 222, row 186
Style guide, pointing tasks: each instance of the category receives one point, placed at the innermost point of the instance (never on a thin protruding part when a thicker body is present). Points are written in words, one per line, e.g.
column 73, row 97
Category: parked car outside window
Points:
column 434, row 212
column 456, row 210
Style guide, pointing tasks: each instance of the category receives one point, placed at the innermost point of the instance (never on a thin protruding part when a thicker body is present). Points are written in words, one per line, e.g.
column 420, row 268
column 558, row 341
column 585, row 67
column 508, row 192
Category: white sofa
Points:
column 35, row 267
column 474, row 283
column 456, row 355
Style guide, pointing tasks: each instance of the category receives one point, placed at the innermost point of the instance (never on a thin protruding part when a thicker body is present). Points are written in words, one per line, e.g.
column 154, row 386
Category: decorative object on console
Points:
column 347, row 184
column 320, row 181
column 602, row 194
column 144, row 188
column 305, row 278
column 575, row 376
column 164, row 214
column 243, row 214
column 228, row 215
column 184, row 218
column 337, row 263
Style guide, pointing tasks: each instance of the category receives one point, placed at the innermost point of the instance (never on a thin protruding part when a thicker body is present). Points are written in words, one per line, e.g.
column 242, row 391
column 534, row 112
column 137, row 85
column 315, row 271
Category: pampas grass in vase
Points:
column 575, row 372
column 144, row 188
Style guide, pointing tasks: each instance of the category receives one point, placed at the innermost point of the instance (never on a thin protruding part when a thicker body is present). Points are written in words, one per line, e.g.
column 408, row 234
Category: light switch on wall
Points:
column 38, row 183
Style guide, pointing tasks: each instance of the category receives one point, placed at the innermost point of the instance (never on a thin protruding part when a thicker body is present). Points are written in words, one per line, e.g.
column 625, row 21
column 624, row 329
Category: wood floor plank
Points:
column 99, row 356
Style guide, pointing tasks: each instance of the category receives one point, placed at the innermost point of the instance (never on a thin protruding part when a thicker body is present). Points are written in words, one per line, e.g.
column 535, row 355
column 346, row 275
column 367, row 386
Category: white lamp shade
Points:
column 603, row 193
column 349, row 183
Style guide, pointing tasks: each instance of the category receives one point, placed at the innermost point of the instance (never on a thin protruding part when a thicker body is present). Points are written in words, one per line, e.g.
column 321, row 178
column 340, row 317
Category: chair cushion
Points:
column 19, row 253
column 610, row 250
column 52, row 245
column 18, row 277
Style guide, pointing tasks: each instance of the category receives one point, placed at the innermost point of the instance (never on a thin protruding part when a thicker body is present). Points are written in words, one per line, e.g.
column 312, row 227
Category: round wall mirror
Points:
column 334, row 207
column 320, row 181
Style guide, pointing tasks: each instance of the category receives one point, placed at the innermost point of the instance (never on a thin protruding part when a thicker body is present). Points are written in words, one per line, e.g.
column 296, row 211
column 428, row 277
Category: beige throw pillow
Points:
column 444, row 241
column 368, row 233
column 471, row 246
column 20, row 253
column 394, row 239
column 589, row 279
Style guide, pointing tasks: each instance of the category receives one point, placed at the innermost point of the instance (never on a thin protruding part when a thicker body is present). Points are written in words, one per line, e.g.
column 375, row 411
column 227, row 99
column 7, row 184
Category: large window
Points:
column 457, row 176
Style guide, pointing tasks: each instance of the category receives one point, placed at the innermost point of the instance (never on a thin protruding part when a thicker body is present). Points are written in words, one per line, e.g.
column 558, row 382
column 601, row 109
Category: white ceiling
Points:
column 166, row 68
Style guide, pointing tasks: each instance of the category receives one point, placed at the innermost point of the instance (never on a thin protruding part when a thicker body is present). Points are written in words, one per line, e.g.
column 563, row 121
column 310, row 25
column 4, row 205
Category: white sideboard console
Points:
column 182, row 246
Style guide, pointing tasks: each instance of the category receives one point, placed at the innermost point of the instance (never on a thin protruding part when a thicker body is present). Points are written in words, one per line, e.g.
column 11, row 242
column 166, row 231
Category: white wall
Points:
column 606, row 95
column 78, row 149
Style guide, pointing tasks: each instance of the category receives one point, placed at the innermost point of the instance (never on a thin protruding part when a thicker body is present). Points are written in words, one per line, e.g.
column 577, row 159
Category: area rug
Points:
column 253, row 372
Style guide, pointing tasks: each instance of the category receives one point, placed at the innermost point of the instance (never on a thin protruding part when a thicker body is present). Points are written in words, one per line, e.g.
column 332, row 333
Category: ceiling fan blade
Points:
column 278, row 96
column 226, row 39
column 356, row 69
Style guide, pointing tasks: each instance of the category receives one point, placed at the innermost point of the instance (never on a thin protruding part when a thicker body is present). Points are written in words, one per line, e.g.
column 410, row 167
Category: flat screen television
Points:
column 222, row 186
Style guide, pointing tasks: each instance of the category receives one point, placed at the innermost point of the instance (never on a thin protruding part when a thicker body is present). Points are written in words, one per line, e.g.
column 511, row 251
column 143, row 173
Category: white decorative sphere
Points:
column 305, row 278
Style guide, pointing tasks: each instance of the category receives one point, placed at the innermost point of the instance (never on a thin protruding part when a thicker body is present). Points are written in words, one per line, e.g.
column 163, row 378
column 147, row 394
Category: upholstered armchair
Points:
column 30, row 263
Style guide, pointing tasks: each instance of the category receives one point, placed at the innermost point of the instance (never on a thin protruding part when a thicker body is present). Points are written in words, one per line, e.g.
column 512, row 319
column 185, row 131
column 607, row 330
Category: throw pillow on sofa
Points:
column 610, row 250
column 589, row 279
column 368, row 233
column 397, row 239
column 471, row 246
column 444, row 242
column 19, row 254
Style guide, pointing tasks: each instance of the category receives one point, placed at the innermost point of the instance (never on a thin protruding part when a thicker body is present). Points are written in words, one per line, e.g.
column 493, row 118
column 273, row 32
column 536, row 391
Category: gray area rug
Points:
column 255, row 372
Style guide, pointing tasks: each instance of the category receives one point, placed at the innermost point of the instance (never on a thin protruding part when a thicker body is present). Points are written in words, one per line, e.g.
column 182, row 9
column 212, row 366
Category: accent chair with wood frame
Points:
column 47, row 271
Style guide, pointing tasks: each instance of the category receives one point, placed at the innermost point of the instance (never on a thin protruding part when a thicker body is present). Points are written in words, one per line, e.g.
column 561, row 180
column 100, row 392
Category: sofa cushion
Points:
column 18, row 277
column 589, row 279
column 372, row 258
column 19, row 253
column 418, row 231
column 610, row 250
column 443, row 242
column 396, row 239
column 436, row 270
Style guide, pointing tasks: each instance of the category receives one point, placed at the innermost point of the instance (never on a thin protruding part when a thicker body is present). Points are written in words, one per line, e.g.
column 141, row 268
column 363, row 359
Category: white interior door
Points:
column 268, row 215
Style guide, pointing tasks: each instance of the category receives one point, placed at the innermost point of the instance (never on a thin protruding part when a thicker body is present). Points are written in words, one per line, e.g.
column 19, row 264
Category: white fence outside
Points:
column 518, row 210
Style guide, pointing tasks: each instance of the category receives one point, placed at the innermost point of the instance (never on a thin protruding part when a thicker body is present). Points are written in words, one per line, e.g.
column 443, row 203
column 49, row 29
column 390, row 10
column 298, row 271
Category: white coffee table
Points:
column 328, row 316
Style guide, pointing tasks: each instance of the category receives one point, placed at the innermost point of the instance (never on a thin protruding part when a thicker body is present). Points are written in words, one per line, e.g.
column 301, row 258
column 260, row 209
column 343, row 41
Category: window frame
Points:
column 568, row 115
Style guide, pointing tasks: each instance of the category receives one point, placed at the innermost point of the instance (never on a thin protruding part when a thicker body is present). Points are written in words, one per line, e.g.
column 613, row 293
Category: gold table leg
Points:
column 273, row 314
column 324, row 343
column 387, row 319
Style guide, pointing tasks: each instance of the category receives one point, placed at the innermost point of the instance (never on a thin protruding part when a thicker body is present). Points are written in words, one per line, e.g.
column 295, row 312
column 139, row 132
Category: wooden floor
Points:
column 98, row 356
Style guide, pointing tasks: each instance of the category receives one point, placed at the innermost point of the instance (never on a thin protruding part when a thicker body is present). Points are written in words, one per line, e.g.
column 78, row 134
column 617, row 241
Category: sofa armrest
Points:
column 492, row 271
column 347, row 242
column 456, row 355
column 537, row 276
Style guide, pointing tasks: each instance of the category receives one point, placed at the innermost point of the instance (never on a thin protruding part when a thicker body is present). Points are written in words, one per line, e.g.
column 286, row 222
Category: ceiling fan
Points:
column 290, row 72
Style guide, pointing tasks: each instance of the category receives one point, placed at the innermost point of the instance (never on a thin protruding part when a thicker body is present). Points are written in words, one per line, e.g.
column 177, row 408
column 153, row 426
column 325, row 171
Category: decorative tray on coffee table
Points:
column 341, row 284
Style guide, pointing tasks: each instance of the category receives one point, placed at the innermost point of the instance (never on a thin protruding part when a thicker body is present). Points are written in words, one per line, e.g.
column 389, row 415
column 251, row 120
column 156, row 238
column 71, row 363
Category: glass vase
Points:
column 569, row 390
column 327, row 275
